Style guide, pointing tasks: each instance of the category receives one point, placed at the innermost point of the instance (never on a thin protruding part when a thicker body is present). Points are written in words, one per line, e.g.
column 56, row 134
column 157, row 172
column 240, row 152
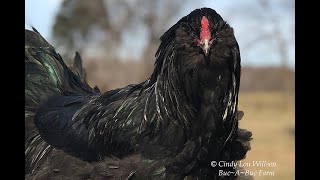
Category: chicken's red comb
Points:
column 205, row 29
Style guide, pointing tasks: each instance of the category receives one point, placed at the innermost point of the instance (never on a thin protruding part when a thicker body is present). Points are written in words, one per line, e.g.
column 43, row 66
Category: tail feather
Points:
column 35, row 149
column 77, row 67
column 46, row 75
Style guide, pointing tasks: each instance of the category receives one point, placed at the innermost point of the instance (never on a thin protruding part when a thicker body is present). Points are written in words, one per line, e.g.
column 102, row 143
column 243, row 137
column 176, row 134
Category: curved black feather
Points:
column 46, row 75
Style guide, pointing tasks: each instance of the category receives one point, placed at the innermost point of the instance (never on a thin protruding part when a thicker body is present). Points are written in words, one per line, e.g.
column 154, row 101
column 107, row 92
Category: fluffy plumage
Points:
column 183, row 116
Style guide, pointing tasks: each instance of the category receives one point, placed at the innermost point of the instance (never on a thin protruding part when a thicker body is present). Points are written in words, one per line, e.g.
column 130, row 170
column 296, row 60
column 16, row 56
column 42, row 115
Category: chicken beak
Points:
column 206, row 47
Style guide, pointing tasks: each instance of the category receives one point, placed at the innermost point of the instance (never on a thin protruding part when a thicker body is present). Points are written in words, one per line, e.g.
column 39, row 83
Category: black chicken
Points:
column 184, row 116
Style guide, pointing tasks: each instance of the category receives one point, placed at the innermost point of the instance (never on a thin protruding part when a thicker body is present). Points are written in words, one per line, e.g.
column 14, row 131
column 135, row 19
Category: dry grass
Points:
column 270, row 117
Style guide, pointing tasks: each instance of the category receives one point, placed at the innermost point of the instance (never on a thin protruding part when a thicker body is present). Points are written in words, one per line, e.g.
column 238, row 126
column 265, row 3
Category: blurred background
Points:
column 118, row 39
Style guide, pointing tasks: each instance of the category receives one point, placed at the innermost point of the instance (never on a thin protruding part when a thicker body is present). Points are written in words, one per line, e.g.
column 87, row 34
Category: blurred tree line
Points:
column 99, row 28
column 101, row 24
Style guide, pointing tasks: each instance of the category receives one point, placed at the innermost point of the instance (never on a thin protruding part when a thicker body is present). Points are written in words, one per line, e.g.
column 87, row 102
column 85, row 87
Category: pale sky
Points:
column 41, row 13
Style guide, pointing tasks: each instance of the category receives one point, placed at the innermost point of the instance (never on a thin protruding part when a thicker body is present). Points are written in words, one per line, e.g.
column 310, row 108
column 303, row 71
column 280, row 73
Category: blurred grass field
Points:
column 270, row 117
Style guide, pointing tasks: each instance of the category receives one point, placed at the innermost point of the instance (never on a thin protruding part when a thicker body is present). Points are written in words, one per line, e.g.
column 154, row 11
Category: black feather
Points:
column 77, row 67
column 183, row 117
